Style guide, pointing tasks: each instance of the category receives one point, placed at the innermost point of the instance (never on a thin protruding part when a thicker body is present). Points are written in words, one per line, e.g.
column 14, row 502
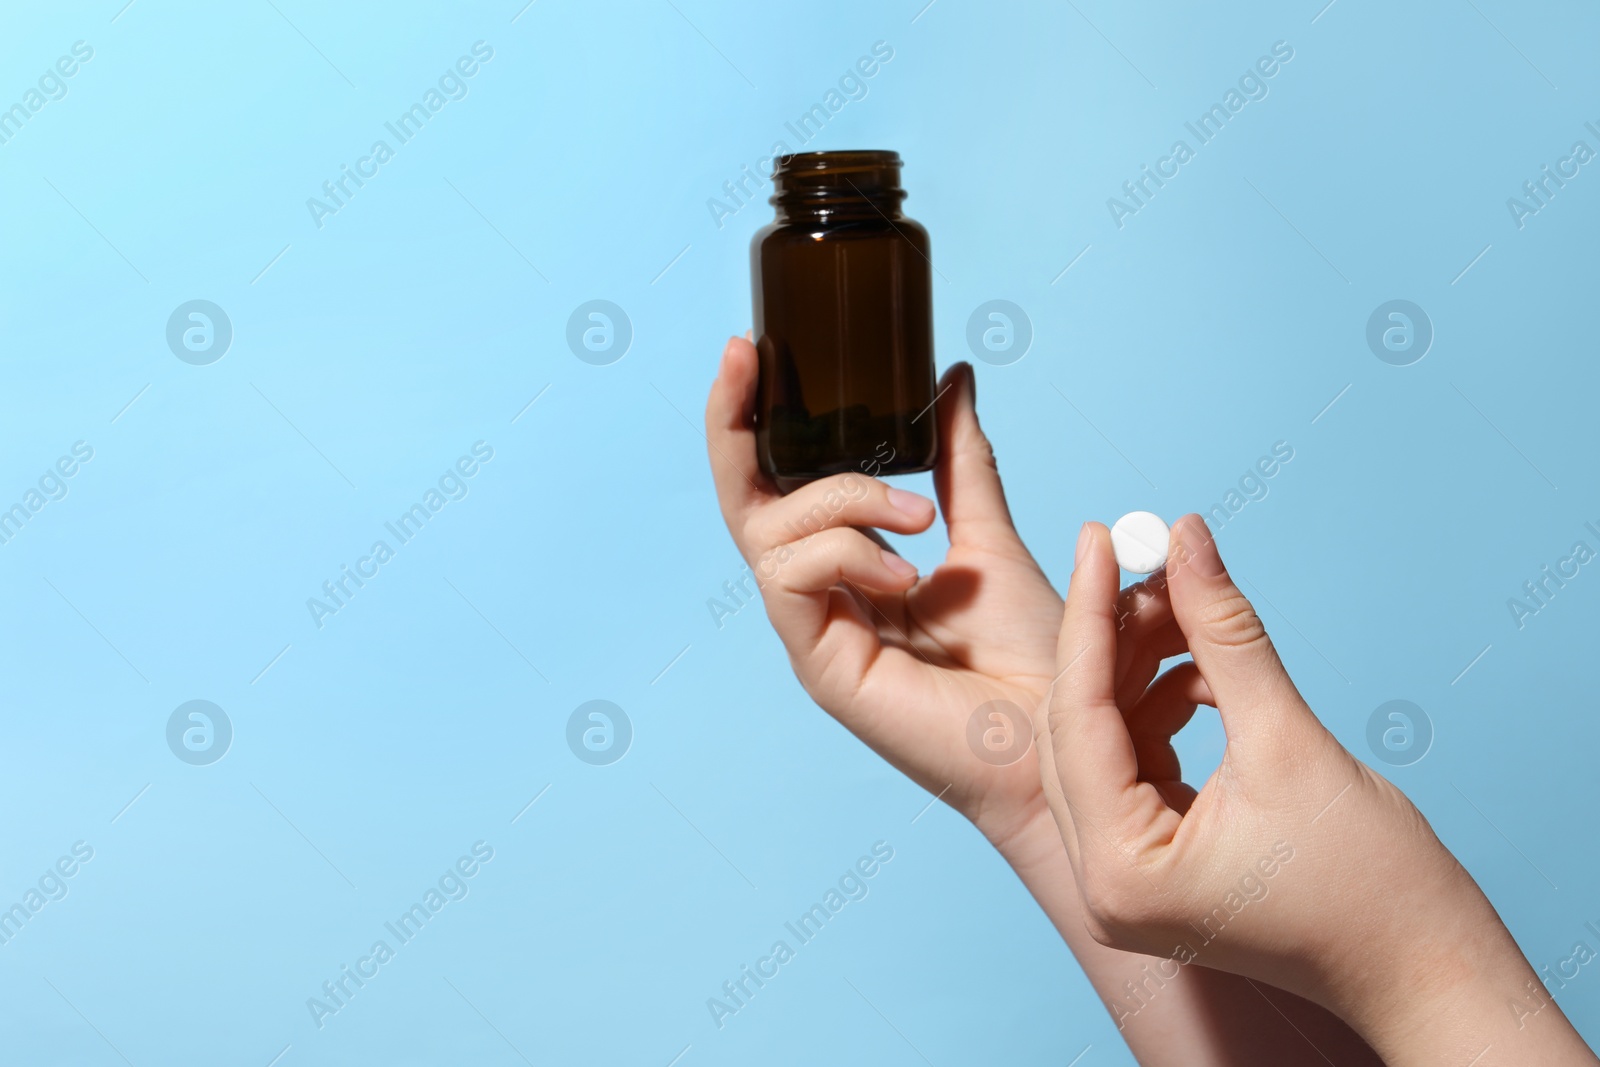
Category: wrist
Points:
column 1030, row 842
column 1027, row 838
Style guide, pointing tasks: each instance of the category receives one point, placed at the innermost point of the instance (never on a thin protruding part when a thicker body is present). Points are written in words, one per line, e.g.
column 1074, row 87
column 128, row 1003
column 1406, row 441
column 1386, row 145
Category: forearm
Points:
column 1174, row 1012
column 1463, row 994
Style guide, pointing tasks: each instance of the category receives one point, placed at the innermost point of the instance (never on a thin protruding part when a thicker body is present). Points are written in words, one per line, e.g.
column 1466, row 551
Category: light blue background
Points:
column 370, row 353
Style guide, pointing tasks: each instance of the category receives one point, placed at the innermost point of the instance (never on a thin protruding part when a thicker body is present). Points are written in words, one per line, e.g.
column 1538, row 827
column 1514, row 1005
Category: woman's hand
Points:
column 903, row 661
column 1294, row 863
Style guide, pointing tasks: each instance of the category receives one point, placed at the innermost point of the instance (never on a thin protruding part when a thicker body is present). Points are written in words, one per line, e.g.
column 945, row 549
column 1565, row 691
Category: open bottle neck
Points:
column 837, row 186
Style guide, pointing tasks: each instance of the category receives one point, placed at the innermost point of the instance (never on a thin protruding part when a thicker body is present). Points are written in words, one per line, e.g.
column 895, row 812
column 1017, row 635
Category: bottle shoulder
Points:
column 808, row 230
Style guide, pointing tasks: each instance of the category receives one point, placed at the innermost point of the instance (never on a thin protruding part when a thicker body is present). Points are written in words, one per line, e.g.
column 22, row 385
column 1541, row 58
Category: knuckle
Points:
column 974, row 448
column 1232, row 621
column 981, row 450
column 833, row 545
column 827, row 553
column 1059, row 716
column 823, row 505
column 771, row 565
column 814, row 520
column 752, row 531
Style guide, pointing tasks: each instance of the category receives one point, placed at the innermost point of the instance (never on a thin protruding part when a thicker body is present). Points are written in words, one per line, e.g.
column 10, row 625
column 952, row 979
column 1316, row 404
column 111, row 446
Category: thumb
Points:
column 966, row 477
column 1230, row 645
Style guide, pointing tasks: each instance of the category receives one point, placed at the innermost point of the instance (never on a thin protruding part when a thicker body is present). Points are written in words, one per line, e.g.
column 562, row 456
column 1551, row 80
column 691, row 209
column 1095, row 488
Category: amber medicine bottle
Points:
column 843, row 322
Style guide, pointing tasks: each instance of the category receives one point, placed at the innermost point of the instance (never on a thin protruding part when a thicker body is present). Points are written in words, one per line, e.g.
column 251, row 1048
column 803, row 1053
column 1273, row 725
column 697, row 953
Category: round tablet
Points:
column 1140, row 541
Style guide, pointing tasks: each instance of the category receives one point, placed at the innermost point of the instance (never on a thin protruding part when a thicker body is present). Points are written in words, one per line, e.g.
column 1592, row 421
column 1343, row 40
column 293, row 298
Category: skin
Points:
column 902, row 660
column 1294, row 863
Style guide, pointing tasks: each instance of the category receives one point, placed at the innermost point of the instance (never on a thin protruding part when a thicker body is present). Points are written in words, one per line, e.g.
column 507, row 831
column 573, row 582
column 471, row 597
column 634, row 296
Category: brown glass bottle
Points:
column 843, row 322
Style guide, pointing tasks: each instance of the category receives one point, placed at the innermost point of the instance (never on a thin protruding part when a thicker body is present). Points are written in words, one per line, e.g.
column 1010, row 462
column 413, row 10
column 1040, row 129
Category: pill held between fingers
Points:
column 1139, row 540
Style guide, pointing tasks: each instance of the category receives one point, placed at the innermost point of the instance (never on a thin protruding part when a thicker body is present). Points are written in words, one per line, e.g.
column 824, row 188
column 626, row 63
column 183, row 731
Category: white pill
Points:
column 1139, row 540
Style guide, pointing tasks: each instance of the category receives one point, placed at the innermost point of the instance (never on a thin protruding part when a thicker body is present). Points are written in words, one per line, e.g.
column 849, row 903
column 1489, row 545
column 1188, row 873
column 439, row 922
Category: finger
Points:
column 1092, row 753
column 1227, row 639
column 1179, row 796
column 1139, row 668
column 1146, row 634
column 839, row 500
column 798, row 585
column 1142, row 608
column 966, row 478
column 730, row 434
column 1164, row 709
column 1169, row 703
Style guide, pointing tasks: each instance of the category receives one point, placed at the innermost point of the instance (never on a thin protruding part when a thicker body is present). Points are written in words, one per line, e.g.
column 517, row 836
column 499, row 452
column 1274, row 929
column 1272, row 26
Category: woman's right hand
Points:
column 1294, row 864
column 902, row 660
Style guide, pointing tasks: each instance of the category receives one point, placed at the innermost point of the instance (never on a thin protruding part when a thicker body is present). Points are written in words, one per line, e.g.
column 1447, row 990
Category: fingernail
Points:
column 972, row 386
column 909, row 503
column 1083, row 545
column 900, row 567
column 1202, row 548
